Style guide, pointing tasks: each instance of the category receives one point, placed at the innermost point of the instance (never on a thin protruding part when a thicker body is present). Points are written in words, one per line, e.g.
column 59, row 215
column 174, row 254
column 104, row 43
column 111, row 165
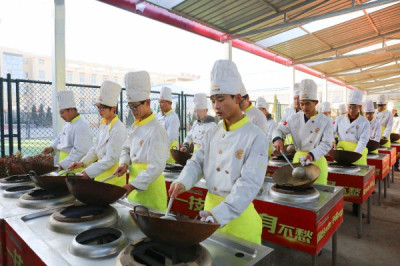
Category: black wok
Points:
column 283, row 176
column 343, row 157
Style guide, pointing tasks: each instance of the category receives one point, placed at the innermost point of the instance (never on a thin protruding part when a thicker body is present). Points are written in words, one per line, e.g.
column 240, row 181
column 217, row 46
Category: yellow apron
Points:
column 387, row 144
column 351, row 146
column 64, row 155
column 117, row 181
column 156, row 194
column 247, row 226
column 321, row 163
column 195, row 148
column 288, row 140
column 270, row 150
column 174, row 144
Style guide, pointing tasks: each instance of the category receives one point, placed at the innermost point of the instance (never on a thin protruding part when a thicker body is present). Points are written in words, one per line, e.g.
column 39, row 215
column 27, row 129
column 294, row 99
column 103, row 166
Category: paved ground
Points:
column 380, row 244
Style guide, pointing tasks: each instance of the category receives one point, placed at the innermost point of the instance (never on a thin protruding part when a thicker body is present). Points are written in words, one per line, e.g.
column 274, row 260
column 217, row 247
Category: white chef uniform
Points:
column 375, row 127
column 199, row 130
column 385, row 118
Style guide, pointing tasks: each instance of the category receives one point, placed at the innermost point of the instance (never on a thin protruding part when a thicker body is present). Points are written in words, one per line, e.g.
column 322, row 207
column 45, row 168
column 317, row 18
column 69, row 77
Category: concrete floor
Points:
column 379, row 245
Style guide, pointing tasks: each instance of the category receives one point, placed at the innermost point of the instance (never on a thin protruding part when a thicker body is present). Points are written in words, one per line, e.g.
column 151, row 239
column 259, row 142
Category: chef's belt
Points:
column 117, row 181
column 321, row 163
column 247, row 226
column 156, row 194
column 387, row 144
column 351, row 146
column 64, row 155
column 173, row 146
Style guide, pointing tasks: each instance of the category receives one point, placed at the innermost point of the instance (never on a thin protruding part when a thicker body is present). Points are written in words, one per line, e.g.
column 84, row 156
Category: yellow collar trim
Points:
column 382, row 110
column 76, row 119
column 249, row 108
column 143, row 122
column 238, row 124
column 314, row 115
column 167, row 113
column 115, row 119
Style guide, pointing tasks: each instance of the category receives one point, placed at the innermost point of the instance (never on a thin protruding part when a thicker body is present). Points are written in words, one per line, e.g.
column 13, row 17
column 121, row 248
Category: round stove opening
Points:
column 19, row 188
column 46, row 194
column 16, row 179
column 76, row 212
column 98, row 236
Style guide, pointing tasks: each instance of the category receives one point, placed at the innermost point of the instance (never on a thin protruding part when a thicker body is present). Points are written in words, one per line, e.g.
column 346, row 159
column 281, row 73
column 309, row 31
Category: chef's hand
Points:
column 184, row 149
column 129, row 188
column 278, row 145
column 206, row 216
column 175, row 190
column 308, row 157
column 334, row 146
column 121, row 170
column 47, row 150
column 75, row 165
column 85, row 176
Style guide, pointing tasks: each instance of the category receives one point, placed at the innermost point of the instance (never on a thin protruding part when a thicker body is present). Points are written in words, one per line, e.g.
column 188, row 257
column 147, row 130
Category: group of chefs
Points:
column 231, row 156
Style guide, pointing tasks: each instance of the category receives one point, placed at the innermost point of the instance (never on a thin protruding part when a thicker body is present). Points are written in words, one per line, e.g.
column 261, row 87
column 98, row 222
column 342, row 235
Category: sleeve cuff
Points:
column 276, row 138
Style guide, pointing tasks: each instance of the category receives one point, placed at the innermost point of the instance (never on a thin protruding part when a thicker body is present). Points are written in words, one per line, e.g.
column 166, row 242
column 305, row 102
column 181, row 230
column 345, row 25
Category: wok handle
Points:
column 143, row 207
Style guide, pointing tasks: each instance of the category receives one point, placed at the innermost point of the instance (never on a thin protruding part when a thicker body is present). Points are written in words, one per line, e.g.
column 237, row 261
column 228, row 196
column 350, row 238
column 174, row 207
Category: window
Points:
column 41, row 61
column 69, row 77
column 41, row 74
column 81, row 77
column 93, row 79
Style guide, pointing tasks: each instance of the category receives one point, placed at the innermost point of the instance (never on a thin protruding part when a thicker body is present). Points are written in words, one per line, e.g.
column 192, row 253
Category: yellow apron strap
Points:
column 387, row 144
column 64, row 155
column 117, row 181
column 156, row 194
column 321, row 163
column 288, row 140
column 270, row 150
column 174, row 144
column 247, row 226
column 351, row 146
column 195, row 147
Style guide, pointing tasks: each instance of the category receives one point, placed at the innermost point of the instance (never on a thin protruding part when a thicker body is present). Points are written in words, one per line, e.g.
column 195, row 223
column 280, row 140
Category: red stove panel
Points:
column 381, row 166
column 392, row 152
column 397, row 147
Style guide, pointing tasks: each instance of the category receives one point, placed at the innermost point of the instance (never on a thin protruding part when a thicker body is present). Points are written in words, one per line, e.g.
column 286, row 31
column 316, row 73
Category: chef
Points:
column 233, row 160
column 200, row 127
column 385, row 118
column 169, row 119
column 102, row 159
column 395, row 128
column 75, row 138
column 342, row 109
column 375, row 127
column 293, row 109
column 312, row 132
column 326, row 109
column 146, row 149
column 263, row 106
column 353, row 130
column 255, row 116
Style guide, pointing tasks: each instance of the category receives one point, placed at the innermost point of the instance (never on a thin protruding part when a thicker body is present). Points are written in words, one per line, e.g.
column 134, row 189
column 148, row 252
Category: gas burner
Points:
column 16, row 191
column 279, row 193
column 15, row 180
column 275, row 161
column 74, row 219
column 173, row 168
column 147, row 252
column 42, row 198
column 345, row 169
column 98, row 243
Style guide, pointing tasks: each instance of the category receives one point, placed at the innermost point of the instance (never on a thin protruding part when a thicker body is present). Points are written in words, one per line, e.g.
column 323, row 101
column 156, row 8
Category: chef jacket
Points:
column 257, row 117
column 107, row 148
column 199, row 130
column 147, row 143
column 314, row 136
column 233, row 163
column 385, row 118
column 75, row 139
column 271, row 125
column 288, row 113
column 358, row 131
column 170, row 121
column 375, row 130
column 396, row 124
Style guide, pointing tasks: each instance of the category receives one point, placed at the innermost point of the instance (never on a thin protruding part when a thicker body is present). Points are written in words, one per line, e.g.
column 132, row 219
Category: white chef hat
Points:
column 243, row 90
column 355, row 97
column 325, row 107
column 200, row 101
column 381, row 99
column 109, row 93
column 166, row 94
column 261, row 102
column 342, row 108
column 368, row 107
column 390, row 106
column 66, row 99
column 225, row 78
column 137, row 86
column 308, row 90
column 296, row 89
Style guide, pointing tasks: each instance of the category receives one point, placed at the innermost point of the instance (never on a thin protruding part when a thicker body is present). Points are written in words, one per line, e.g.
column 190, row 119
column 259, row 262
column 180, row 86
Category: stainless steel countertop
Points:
column 52, row 247
column 377, row 156
column 364, row 171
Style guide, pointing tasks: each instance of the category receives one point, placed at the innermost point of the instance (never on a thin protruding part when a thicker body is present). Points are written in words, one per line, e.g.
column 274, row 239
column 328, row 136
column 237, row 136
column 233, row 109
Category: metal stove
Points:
column 57, row 249
column 74, row 219
column 345, row 169
column 42, row 198
column 15, row 180
column 274, row 161
column 309, row 194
